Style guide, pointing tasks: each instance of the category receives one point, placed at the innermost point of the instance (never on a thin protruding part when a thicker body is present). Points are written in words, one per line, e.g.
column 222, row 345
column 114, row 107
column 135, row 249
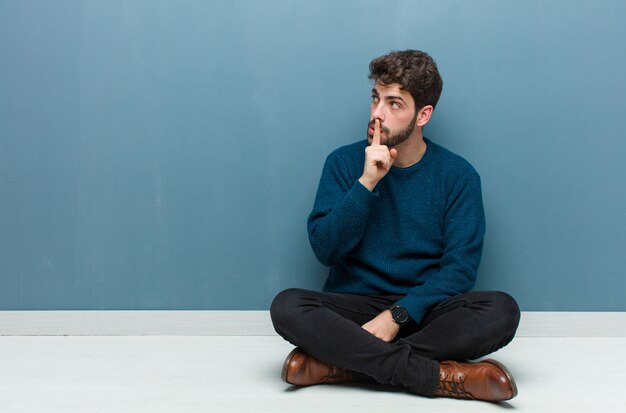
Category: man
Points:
column 400, row 221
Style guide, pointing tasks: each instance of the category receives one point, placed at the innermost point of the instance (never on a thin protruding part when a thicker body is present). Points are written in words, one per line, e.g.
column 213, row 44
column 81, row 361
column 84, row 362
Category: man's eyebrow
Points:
column 395, row 97
column 390, row 97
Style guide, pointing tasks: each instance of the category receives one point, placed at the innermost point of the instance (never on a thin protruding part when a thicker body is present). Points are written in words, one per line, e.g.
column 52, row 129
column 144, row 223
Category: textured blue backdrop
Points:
column 165, row 154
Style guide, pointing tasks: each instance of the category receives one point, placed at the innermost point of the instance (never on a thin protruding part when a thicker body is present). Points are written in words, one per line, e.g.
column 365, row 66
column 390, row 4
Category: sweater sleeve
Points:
column 464, row 230
column 340, row 212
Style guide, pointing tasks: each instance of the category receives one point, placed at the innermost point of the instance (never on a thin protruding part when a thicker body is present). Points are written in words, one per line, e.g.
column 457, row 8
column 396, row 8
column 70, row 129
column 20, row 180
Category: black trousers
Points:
column 328, row 326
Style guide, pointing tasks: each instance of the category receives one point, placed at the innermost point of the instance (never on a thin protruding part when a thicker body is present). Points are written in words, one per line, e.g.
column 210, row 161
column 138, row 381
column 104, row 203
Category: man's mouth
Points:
column 371, row 130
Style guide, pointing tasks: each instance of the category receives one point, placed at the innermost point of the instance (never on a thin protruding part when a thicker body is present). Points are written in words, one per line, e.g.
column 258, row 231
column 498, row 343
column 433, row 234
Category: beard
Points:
column 396, row 138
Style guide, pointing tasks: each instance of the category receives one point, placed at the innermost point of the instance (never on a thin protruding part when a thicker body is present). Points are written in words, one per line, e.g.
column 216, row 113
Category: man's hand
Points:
column 383, row 326
column 378, row 160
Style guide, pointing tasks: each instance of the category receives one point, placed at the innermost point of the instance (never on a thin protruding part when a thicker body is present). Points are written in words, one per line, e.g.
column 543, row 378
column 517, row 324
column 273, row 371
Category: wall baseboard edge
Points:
column 258, row 323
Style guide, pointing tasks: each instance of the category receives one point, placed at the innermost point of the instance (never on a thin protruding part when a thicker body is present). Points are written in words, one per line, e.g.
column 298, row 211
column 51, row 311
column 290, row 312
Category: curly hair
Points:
column 415, row 71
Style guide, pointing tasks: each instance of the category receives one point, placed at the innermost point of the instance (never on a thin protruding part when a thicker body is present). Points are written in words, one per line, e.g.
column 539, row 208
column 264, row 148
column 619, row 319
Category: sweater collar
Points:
column 417, row 165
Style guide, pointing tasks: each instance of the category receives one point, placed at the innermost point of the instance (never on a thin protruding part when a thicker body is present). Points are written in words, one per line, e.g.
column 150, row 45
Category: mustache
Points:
column 382, row 128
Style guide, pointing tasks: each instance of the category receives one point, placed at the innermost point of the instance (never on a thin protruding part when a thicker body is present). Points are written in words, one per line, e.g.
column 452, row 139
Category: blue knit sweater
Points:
column 419, row 234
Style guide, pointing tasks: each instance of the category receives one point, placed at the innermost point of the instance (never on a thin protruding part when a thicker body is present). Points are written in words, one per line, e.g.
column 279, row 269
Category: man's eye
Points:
column 374, row 98
column 395, row 105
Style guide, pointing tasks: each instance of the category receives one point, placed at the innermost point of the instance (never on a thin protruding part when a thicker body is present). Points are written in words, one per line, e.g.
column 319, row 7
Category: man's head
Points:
column 414, row 71
column 406, row 90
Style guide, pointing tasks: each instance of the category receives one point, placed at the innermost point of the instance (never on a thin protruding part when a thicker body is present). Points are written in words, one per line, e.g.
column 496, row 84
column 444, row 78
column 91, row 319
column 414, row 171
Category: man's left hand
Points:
column 383, row 326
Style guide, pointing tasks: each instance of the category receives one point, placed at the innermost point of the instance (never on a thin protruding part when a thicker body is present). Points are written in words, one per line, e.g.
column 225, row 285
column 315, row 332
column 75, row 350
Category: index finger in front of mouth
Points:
column 376, row 137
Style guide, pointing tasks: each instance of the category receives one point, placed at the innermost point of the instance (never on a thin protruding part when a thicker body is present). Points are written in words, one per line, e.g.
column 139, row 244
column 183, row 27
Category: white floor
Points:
column 180, row 374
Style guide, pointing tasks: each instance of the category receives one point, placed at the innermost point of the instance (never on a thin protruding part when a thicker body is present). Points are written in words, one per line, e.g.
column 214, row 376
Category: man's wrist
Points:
column 369, row 185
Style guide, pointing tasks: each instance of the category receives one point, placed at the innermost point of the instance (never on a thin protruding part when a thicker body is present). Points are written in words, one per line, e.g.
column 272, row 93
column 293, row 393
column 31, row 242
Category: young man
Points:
column 400, row 221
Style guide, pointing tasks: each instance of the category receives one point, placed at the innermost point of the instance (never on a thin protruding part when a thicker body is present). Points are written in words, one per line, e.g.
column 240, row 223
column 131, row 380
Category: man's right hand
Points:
column 378, row 160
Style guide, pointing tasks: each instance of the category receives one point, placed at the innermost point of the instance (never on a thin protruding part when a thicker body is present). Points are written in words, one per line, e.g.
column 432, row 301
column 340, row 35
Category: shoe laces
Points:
column 336, row 374
column 452, row 385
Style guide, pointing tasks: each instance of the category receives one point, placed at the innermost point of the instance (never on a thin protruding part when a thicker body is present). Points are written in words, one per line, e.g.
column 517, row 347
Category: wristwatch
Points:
column 400, row 315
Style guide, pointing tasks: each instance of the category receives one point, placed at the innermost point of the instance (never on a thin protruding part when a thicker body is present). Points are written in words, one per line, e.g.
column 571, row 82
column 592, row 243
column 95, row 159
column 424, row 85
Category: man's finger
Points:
column 376, row 137
column 393, row 153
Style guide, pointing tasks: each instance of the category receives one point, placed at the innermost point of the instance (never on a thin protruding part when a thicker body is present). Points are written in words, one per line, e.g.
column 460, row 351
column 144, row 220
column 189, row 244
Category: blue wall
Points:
column 165, row 154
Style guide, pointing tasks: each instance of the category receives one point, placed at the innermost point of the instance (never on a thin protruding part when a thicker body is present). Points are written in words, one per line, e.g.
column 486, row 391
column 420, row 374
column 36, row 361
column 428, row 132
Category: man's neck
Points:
column 410, row 151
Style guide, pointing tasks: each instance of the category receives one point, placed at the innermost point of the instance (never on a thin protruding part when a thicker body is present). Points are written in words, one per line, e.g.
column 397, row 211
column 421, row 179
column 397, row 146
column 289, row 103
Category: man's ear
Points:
column 423, row 115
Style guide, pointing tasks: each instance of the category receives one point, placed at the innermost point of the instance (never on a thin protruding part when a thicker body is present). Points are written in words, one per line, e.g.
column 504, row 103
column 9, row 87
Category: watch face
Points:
column 400, row 315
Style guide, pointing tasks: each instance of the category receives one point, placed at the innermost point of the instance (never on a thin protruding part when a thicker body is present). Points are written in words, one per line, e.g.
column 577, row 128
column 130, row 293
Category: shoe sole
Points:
column 507, row 373
column 283, row 373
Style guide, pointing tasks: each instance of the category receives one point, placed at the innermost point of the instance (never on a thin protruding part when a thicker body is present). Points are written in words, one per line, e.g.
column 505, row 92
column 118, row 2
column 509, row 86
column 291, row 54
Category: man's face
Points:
column 396, row 111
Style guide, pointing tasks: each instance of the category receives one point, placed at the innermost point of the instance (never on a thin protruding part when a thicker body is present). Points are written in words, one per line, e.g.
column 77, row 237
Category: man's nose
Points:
column 378, row 112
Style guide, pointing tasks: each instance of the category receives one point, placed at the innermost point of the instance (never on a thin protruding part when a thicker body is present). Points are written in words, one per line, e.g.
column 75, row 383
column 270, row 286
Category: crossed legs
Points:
column 328, row 327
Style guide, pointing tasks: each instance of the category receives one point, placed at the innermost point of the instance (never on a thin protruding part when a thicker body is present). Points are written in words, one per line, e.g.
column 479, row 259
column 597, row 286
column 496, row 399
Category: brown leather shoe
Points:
column 487, row 380
column 302, row 369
